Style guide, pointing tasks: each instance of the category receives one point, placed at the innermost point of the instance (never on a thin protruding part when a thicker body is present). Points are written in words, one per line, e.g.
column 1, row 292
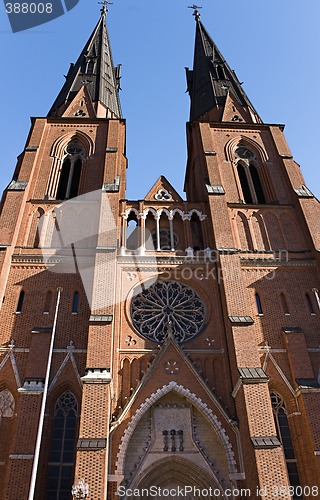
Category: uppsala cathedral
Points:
column 163, row 342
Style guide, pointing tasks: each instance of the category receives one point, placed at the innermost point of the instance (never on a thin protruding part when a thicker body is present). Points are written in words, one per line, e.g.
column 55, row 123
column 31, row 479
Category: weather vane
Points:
column 196, row 12
column 105, row 4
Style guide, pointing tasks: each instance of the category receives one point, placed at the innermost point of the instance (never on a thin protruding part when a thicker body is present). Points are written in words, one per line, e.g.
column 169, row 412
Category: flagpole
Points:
column 315, row 291
column 43, row 404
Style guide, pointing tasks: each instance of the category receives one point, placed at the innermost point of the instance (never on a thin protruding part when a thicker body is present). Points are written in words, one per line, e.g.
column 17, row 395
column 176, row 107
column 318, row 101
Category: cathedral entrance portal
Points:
column 178, row 478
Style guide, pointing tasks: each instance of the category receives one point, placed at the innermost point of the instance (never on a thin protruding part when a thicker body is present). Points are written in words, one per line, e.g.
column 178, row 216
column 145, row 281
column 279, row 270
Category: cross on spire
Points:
column 196, row 12
column 104, row 9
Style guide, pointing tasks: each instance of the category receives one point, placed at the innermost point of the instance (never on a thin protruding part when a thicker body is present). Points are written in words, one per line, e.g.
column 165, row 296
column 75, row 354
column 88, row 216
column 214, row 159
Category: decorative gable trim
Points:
column 265, row 442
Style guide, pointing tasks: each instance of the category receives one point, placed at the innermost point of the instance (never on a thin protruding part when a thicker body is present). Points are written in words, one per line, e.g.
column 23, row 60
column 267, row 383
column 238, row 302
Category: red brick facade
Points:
column 156, row 412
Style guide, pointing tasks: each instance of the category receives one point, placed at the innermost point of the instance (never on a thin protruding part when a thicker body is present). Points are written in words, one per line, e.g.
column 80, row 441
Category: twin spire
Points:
column 215, row 91
column 212, row 84
column 95, row 71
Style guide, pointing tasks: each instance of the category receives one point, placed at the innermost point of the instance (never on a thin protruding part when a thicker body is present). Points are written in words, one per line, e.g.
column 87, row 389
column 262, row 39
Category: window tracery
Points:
column 62, row 454
column 70, row 174
column 168, row 308
column 249, row 172
column 7, row 404
column 284, row 436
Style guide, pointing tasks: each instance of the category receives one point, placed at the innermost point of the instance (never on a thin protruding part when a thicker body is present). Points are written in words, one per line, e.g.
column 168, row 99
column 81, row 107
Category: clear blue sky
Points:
column 272, row 45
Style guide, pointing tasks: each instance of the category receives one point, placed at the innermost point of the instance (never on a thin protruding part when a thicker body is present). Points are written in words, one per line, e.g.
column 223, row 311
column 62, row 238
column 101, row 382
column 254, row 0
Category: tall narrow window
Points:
column 284, row 304
column 70, row 174
column 39, row 223
column 64, row 177
column 257, row 184
column 309, row 303
column 284, row 436
column 196, row 232
column 220, row 72
column 75, row 303
column 90, row 67
column 244, row 184
column 63, row 448
column 258, row 303
column 75, row 181
column 47, row 302
column 249, row 170
column 20, row 302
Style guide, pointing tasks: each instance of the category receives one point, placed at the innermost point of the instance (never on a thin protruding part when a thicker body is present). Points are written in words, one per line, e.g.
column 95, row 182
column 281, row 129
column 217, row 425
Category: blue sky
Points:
column 272, row 45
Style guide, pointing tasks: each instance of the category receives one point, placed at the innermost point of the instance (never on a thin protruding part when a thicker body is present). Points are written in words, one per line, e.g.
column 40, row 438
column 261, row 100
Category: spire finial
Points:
column 104, row 9
column 196, row 12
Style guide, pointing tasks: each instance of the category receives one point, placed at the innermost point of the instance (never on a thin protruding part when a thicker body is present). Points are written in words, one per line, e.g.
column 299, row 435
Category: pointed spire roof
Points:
column 212, row 80
column 94, row 69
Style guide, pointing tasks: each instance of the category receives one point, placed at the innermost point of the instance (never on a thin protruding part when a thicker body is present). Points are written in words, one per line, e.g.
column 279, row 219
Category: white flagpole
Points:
column 315, row 291
column 43, row 404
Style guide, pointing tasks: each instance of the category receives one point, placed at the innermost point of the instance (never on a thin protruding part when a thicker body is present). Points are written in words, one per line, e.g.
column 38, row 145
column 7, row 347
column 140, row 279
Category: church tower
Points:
column 158, row 343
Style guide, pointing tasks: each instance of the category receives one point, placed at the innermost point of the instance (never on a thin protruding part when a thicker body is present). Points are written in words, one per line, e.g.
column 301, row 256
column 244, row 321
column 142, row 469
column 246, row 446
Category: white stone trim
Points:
column 193, row 399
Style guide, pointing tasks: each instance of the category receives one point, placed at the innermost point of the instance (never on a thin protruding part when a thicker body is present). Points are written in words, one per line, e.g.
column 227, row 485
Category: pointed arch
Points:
column 35, row 232
column 285, row 437
column 258, row 304
column 284, row 303
column 309, row 304
column 7, row 404
column 244, row 233
column 20, row 302
column 201, row 406
column 63, row 446
column 196, row 231
column 47, row 302
column 243, row 140
column 68, row 162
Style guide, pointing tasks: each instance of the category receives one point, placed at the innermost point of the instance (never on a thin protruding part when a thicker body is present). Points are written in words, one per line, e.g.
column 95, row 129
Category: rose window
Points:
column 168, row 308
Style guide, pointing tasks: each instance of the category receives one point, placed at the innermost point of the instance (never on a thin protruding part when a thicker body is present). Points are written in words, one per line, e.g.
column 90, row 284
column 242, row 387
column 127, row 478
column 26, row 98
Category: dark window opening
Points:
column 63, row 448
column 244, row 185
column 75, row 303
column 132, row 233
column 75, row 182
column 259, row 306
column 310, row 306
column 284, row 303
column 64, row 178
column 220, row 72
column 284, row 436
column 90, row 67
column 20, row 302
column 257, row 184
column 47, row 302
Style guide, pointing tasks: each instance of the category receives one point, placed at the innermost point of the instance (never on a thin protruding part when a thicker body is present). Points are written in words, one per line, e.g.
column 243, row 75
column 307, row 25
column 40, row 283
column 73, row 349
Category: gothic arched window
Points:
column 309, row 303
column 196, row 232
column 20, row 302
column 132, row 236
column 75, row 303
column 258, row 303
column 70, row 173
column 63, row 448
column 47, row 302
column 284, row 436
column 249, row 175
column 284, row 303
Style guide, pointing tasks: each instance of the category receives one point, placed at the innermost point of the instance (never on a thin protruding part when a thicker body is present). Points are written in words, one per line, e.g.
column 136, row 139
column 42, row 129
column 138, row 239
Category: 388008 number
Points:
column 297, row 491
column 29, row 8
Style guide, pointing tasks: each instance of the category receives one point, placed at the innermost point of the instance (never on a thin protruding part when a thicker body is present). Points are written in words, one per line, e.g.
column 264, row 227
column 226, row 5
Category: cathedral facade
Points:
column 163, row 343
